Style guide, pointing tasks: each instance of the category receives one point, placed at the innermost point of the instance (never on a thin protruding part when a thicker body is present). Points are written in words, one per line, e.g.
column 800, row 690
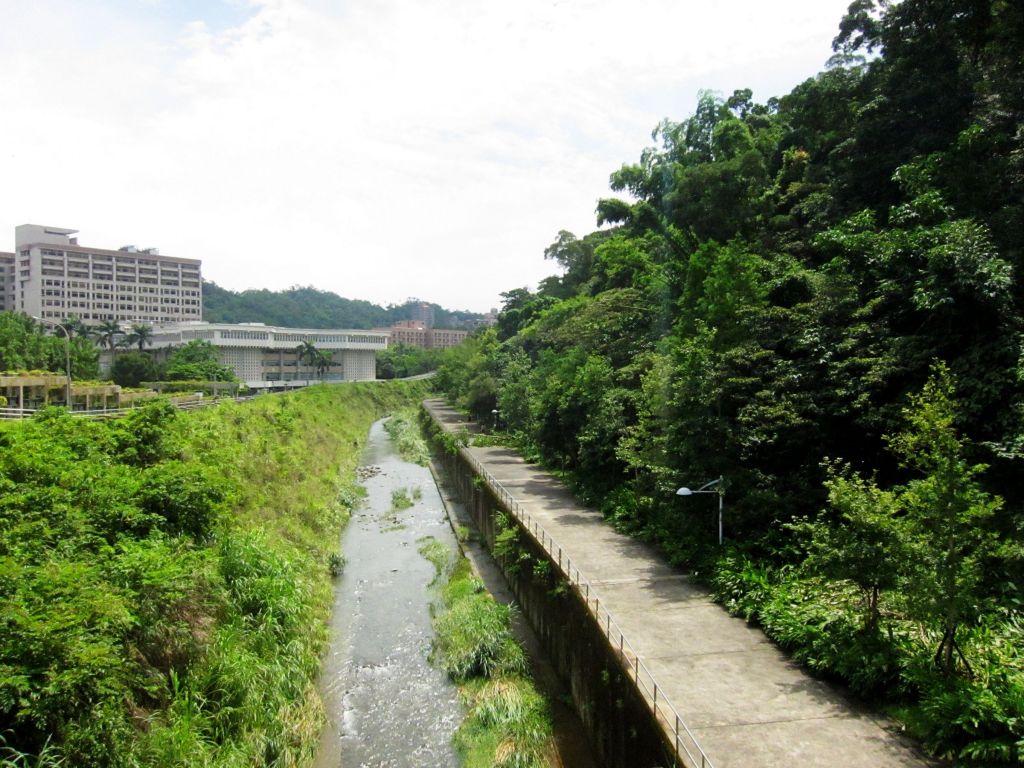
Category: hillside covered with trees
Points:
column 818, row 299
column 308, row 307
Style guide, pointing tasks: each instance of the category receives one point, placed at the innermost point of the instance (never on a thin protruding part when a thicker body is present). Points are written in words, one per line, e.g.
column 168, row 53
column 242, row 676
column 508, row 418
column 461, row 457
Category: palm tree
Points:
column 75, row 327
column 315, row 358
column 139, row 335
column 323, row 362
column 107, row 334
column 306, row 352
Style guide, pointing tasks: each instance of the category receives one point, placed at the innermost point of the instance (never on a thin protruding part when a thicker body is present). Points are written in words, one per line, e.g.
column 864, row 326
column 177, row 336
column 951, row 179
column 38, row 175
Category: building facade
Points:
column 6, row 282
column 415, row 333
column 56, row 278
column 266, row 357
column 423, row 312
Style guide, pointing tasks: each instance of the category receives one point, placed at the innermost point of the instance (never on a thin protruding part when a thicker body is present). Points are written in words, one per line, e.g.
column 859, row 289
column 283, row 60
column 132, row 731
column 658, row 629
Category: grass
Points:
column 400, row 499
column 438, row 554
column 165, row 578
column 403, row 427
column 507, row 722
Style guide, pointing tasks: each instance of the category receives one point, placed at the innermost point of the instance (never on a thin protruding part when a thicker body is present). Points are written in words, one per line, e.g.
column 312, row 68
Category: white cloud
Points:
column 379, row 149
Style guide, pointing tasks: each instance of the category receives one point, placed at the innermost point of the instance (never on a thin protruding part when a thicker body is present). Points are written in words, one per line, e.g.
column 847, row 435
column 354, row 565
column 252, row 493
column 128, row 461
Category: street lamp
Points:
column 714, row 486
column 67, row 357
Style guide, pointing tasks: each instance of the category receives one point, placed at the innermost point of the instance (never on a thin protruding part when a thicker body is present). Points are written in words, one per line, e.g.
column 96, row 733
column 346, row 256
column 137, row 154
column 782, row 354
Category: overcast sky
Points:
column 381, row 149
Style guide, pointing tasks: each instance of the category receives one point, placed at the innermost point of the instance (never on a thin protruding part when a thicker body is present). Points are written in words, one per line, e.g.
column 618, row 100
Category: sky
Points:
column 380, row 149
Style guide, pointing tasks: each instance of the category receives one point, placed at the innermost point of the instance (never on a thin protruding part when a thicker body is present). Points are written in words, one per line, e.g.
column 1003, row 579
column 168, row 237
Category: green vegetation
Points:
column 817, row 298
column 317, row 359
column 438, row 555
column 404, row 430
column 400, row 499
column 165, row 577
column 508, row 723
column 26, row 346
column 194, row 361
column 307, row 307
column 401, row 360
column 130, row 369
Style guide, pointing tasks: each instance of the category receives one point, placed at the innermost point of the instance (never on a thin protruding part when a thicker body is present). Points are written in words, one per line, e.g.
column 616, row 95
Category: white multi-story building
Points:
column 265, row 356
column 6, row 282
column 56, row 278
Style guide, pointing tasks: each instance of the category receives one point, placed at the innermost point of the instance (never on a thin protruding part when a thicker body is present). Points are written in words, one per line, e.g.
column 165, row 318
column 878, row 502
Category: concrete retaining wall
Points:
column 620, row 724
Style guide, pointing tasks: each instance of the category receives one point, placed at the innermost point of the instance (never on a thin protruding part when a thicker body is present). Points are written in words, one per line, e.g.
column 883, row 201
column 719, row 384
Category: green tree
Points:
column 75, row 327
column 139, row 335
column 401, row 360
column 196, row 361
column 133, row 368
column 108, row 335
column 26, row 346
column 949, row 511
column 322, row 362
column 864, row 544
column 306, row 352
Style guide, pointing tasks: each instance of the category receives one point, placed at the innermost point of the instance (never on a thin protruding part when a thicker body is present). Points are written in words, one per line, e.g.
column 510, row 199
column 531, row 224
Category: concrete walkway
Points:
column 746, row 703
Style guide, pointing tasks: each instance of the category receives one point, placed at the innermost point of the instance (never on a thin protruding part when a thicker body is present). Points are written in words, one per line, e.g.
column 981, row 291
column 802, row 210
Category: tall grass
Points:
column 403, row 428
column 507, row 723
column 164, row 579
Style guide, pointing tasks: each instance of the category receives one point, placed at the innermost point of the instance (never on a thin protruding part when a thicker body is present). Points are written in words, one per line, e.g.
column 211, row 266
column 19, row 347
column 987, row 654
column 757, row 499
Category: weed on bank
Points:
column 165, row 577
column 507, row 723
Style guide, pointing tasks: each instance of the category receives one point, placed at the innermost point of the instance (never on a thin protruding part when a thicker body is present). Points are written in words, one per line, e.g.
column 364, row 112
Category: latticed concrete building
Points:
column 265, row 356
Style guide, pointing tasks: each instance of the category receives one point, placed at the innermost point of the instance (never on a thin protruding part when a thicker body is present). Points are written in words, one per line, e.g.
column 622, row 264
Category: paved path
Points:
column 746, row 703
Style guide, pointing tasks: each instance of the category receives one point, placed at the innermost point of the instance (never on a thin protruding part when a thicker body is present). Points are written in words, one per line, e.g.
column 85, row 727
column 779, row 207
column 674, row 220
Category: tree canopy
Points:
column 308, row 307
column 817, row 297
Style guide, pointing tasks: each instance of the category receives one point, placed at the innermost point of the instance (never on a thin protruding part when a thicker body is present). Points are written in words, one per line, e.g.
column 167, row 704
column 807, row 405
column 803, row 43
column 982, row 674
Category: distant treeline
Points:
column 308, row 307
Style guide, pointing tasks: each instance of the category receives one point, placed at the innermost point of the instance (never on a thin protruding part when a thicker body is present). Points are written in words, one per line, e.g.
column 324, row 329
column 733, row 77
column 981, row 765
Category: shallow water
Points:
column 387, row 707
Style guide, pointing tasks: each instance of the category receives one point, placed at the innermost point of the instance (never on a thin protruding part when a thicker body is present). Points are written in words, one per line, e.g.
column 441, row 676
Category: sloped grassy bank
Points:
column 164, row 578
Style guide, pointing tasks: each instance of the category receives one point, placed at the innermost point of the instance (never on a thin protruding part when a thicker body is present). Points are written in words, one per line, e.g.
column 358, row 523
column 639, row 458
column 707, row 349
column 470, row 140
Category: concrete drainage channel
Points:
column 385, row 704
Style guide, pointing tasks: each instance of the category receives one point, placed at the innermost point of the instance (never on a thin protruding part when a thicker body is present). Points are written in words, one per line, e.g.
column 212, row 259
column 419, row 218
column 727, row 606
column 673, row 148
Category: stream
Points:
column 387, row 707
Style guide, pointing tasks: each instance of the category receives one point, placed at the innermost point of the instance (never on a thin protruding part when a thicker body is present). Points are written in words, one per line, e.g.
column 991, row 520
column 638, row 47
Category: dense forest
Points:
column 309, row 307
column 817, row 299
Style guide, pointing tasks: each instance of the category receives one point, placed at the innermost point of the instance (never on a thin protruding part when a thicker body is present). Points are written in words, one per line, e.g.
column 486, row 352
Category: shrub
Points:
column 183, row 497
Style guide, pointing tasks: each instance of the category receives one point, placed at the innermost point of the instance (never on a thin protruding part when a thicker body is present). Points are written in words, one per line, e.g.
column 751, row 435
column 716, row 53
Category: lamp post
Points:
column 714, row 486
column 67, row 356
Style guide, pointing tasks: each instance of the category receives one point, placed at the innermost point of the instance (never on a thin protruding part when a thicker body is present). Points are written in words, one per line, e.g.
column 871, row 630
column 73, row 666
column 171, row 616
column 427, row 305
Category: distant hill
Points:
column 308, row 307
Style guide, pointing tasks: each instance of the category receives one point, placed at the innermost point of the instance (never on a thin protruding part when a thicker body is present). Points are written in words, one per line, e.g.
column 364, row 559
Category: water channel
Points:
column 387, row 707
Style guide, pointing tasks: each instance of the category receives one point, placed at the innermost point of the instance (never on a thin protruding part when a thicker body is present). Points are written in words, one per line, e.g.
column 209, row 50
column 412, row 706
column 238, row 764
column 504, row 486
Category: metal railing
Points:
column 7, row 414
column 687, row 749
